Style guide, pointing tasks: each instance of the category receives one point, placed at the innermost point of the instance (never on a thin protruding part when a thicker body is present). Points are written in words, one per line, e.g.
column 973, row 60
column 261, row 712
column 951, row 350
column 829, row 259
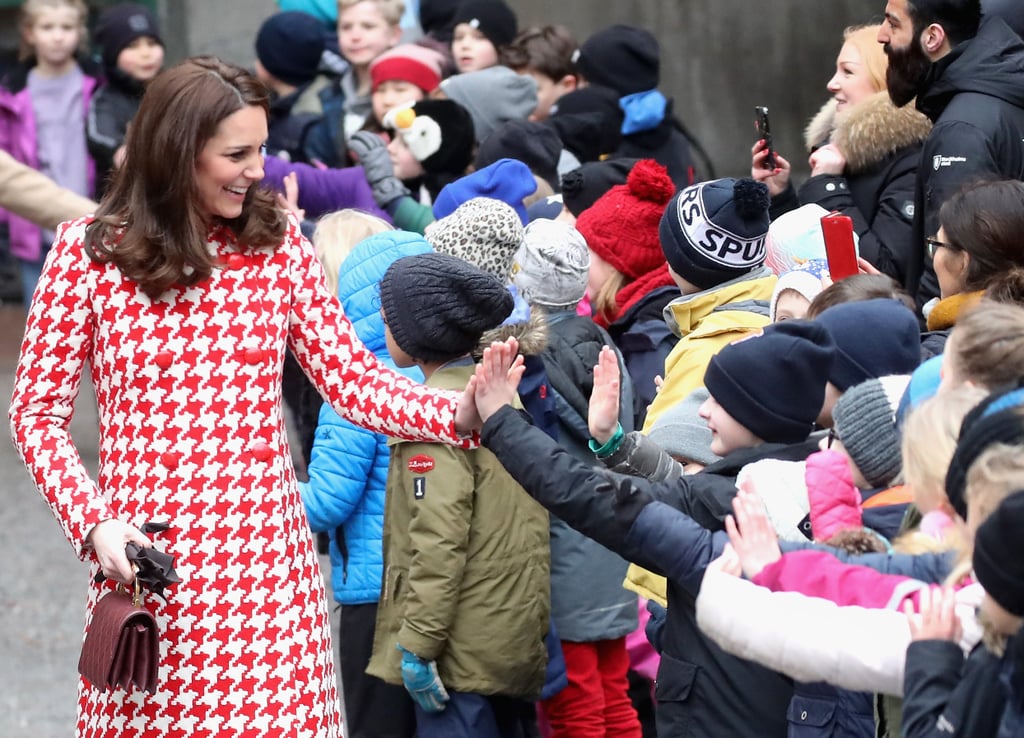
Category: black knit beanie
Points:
column 121, row 24
column 716, row 231
column 624, row 58
column 996, row 419
column 585, row 185
column 493, row 18
column 438, row 306
column 289, row 46
column 999, row 554
column 773, row 383
column 589, row 122
column 534, row 143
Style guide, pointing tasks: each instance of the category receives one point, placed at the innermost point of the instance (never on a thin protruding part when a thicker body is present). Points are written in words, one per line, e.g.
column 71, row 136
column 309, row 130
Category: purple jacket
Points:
column 18, row 138
column 323, row 191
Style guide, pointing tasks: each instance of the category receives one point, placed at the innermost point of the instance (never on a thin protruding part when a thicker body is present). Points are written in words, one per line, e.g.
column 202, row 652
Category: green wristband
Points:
column 611, row 446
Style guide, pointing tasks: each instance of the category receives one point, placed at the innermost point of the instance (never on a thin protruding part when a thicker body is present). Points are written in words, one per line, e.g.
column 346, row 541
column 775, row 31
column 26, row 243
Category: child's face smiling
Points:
column 141, row 59
column 727, row 434
column 364, row 33
column 471, row 49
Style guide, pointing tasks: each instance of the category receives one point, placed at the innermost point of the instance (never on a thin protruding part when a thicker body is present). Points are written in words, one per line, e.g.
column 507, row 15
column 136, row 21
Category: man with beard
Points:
column 967, row 74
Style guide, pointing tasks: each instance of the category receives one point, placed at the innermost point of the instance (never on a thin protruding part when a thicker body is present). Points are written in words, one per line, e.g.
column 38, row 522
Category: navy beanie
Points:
column 120, row 25
column 589, row 122
column 585, row 185
column 996, row 419
column 437, row 306
column 289, row 46
column 534, row 143
column 624, row 58
column 773, row 383
column 999, row 554
column 874, row 338
column 493, row 18
column 716, row 231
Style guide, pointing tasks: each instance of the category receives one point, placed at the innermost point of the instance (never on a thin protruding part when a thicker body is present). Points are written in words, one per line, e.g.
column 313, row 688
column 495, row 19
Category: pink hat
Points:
column 409, row 63
column 833, row 497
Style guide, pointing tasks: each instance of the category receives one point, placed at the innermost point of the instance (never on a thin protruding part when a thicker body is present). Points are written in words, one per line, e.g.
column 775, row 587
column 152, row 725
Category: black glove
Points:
column 655, row 624
column 630, row 499
column 372, row 153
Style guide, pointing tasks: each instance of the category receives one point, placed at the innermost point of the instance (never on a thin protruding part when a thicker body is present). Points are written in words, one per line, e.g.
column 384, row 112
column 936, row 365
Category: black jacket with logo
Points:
column 975, row 97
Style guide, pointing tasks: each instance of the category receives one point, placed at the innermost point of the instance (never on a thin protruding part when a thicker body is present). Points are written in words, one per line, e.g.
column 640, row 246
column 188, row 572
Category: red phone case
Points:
column 839, row 247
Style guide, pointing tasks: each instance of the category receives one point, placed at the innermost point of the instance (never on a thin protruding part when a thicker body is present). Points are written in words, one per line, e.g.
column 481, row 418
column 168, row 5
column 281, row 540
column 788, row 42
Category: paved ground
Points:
column 42, row 582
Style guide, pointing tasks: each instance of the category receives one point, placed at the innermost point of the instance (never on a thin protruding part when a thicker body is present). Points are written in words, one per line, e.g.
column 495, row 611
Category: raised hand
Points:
column 497, row 377
column 727, row 563
column 776, row 179
column 937, row 619
column 751, row 533
column 603, row 416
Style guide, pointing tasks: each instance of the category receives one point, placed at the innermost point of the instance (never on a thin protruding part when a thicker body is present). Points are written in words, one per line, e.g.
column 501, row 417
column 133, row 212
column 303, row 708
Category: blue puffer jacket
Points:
column 348, row 468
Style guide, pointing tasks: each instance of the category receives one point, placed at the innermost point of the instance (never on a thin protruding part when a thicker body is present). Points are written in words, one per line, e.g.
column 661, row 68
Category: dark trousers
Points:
column 469, row 715
column 373, row 708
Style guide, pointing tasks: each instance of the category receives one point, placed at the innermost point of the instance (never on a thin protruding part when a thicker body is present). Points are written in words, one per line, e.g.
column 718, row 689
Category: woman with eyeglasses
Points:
column 979, row 240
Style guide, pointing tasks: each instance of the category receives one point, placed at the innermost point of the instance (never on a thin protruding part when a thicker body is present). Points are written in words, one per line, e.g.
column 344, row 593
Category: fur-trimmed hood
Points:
column 869, row 132
column 532, row 335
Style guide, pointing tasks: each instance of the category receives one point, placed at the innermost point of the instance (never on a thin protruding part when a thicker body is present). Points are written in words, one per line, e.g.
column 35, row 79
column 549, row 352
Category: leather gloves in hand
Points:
column 372, row 153
column 422, row 682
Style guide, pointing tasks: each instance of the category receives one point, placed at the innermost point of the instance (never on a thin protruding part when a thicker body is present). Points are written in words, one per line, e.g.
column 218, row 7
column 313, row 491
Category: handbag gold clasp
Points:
column 137, row 595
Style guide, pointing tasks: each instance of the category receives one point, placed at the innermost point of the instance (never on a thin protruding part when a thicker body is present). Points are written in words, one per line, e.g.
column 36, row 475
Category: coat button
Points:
column 170, row 459
column 235, row 261
column 803, row 715
column 164, row 359
column 253, row 356
column 262, row 451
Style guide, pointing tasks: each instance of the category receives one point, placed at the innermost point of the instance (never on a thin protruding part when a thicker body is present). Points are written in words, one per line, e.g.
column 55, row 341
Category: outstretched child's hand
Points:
column 727, row 563
column 467, row 415
column 751, row 533
column 938, row 619
column 497, row 378
column 603, row 417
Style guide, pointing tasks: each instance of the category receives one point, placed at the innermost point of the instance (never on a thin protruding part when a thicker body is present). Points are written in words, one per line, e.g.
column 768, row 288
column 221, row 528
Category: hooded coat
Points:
column 975, row 97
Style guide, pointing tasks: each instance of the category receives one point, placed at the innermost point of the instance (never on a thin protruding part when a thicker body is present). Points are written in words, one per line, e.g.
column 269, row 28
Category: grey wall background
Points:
column 720, row 58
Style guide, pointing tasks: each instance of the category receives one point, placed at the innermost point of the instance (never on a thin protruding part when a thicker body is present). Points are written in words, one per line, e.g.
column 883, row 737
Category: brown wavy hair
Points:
column 150, row 224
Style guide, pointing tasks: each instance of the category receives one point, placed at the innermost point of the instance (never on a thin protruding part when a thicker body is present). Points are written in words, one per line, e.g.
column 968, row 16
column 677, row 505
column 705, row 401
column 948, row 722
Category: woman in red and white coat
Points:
column 182, row 294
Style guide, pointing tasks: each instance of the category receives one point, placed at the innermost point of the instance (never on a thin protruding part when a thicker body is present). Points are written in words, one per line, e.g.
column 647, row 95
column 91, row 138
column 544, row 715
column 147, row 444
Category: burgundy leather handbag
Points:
column 122, row 645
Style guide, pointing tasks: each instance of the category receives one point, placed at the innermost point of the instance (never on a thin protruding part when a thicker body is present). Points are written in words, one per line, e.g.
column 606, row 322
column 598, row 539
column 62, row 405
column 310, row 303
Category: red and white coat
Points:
column 188, row 388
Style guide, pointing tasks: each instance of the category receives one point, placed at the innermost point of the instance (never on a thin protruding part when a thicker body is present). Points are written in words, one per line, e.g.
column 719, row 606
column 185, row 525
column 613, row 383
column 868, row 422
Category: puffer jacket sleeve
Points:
column 932, row 568
column 819, row 574
column 639, row 456
column 356, row 384
column 323, row 191
column 806, row 638
column 341, row 463
column 833, row 498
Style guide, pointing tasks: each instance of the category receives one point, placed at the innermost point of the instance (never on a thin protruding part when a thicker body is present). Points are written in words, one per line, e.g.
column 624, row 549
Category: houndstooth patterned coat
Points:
column 188, row 388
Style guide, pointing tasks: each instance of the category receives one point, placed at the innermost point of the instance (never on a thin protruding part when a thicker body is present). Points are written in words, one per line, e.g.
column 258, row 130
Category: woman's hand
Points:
column 751, row 533
column 727, row 563
column 108, row 540
column 827, row 160
column 776, row 179
column 603, row 416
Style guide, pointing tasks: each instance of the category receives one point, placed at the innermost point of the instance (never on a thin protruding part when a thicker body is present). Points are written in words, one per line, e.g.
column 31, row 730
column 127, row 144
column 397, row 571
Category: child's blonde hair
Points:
column 338, row 233
column 391, row 10
column 929, row 439
column 994, row 476
column 604, row 303
column 988, row 345
column 30, row 10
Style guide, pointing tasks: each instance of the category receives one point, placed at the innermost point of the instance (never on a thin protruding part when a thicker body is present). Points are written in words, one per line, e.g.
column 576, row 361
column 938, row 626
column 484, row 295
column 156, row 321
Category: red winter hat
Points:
column 622, row 226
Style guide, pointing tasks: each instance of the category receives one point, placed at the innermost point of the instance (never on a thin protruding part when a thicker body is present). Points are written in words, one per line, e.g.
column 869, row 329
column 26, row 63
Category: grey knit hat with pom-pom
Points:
column 715, row 231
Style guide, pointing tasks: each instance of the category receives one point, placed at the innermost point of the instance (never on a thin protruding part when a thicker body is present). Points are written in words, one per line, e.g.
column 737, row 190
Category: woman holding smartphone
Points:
column 864, row 154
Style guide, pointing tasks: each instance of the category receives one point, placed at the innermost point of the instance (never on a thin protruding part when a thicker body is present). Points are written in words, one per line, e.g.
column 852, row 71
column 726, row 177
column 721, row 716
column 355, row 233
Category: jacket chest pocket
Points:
column 810, row 717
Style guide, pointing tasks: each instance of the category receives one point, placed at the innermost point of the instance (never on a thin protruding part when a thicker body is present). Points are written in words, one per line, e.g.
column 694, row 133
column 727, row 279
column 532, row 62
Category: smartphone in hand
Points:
column 764, row 131
column 840, row 249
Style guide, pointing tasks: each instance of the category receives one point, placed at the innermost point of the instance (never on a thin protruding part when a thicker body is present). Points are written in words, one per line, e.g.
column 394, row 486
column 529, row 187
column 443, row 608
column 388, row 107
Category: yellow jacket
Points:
column 705, row 323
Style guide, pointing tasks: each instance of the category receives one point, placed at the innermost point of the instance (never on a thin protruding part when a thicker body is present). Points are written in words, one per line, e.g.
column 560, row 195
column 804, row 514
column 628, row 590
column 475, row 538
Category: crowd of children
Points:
column 810, row 492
